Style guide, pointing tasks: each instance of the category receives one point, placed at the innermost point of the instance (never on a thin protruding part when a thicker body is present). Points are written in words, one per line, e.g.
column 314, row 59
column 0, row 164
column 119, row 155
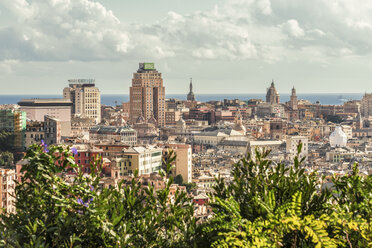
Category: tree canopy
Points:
column 266, row 205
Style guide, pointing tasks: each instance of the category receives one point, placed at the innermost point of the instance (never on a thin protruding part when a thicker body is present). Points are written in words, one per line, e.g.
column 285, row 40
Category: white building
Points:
column 145, row 159
column 292, row 144
column 85, row 97
column 125, row 135
column 213, row 138
column 338, row 138
column 209, row 138
column 276, row 146
column 348, row 130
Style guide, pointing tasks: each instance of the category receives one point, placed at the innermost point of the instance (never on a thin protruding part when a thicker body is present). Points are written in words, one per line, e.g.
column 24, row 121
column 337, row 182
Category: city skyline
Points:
column 321, row 47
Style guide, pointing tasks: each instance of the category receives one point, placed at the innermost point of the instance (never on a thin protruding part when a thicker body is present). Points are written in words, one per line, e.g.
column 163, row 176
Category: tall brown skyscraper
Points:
column 147, row 95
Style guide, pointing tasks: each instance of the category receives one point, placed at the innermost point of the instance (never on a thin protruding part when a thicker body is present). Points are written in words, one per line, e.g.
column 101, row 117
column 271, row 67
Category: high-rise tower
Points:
column 191, row 96
column 85, row 98
column 366, row 105
column 147, row 95
column 293, row 102
column 359, row 120
column 272, row 95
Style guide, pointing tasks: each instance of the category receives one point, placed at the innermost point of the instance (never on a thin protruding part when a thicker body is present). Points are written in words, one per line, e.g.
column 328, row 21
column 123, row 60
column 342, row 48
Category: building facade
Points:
column 34, row 132
column 144, row 159
column 85, row 98
column 366, row 105
column 60, row 109
column 52, row 130
column 14, row 121
column 7, row 182
column 86, row 155
column 292, row 143
column 125, row 135
column 147, row 95
column 182, row 162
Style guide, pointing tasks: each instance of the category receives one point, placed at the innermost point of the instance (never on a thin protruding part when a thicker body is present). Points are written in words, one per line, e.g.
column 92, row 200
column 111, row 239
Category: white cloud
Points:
column 264, row 30
column 292, row 28
column 269, row 30
column 6, row 66
column 63, row 30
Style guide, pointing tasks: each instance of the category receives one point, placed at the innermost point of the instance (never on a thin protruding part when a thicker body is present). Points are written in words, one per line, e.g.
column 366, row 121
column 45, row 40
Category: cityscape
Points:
column 154, row 168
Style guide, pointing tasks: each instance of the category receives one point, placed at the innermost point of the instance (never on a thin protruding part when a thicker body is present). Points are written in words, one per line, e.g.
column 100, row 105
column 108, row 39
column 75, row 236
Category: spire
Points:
column 272, row 83
column 293, row 91
column 191, row 96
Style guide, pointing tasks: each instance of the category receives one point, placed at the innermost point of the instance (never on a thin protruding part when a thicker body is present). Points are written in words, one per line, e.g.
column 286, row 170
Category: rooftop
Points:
column 111, row 129
column 45, row 102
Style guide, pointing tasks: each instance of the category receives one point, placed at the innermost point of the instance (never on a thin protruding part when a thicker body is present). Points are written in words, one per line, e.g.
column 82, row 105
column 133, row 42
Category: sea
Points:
column 112, row 100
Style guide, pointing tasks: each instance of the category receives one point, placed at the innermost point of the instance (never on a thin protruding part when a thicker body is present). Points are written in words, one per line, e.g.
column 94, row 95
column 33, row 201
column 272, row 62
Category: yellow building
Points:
column 183, row 161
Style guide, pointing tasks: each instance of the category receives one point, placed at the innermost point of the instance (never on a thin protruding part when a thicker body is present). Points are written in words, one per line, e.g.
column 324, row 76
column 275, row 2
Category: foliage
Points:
column 178, row 179
column 6, row 140
column 54, row 213
column 271, row 205
column 6, row 159
column 265, row 205
column 353, row 197
column 189, row 186
column 333, row 118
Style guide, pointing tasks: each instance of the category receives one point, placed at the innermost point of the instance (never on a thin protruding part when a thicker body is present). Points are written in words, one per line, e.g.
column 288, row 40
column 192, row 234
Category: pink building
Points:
column 59, row 109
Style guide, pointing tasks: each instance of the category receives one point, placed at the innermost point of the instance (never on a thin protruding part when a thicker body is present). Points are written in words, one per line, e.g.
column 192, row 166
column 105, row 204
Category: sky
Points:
column 226, row 46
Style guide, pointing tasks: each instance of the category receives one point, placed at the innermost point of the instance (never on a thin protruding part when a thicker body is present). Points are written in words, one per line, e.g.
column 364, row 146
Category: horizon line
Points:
column 301, row 93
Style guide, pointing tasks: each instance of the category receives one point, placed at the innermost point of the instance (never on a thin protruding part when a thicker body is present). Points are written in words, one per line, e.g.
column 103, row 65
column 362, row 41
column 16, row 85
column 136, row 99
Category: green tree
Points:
column 55, row 212
column 273, row 205
column 6, row 140
column 178, row 179
column 6, row 159
column 265, row 205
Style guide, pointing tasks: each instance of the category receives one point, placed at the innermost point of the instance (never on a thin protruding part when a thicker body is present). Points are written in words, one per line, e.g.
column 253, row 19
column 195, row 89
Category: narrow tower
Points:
column 191, row 96
column 293, row 102
column 359, row 120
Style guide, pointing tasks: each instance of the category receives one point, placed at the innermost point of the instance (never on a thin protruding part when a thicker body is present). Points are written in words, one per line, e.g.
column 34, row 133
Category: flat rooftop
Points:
column 45, row 102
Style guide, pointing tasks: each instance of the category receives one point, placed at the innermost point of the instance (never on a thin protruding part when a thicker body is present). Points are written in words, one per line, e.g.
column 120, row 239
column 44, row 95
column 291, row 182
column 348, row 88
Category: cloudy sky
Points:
column 226, row 46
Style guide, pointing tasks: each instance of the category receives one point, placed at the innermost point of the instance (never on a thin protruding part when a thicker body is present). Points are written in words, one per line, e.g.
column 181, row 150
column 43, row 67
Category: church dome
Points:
column 272, row 95
column 338, row 138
